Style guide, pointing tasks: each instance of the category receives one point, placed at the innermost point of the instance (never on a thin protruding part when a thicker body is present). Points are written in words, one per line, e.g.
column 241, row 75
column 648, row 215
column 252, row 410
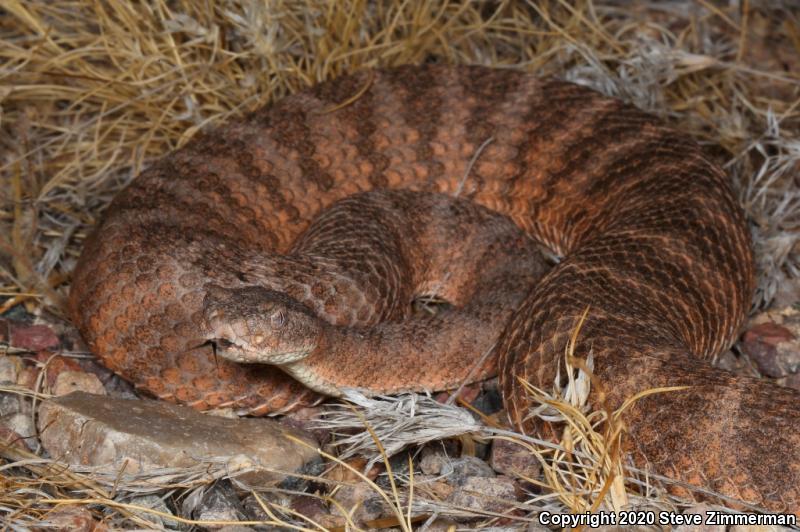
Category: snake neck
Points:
column 395, row 356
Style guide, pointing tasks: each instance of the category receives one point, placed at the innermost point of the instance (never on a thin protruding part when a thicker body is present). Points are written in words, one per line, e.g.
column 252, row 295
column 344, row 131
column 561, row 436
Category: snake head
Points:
column 258, row 325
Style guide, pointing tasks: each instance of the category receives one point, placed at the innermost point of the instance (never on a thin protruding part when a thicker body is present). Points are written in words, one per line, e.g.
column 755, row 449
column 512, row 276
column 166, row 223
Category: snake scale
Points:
column 652, row 239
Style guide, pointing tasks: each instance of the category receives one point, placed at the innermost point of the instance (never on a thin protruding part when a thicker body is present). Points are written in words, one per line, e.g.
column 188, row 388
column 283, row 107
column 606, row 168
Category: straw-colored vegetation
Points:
column 91, row 92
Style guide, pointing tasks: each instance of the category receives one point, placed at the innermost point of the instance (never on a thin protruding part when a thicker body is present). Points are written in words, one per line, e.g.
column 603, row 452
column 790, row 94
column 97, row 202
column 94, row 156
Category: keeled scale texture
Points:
column 654, row 243
column 374, row 253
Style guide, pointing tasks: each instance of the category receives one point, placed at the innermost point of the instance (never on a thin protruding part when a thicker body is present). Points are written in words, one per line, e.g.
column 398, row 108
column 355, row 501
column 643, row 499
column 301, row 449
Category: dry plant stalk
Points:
column 587, row 469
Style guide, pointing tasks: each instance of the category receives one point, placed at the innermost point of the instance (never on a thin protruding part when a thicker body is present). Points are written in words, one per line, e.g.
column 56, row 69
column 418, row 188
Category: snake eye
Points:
column 278, row 319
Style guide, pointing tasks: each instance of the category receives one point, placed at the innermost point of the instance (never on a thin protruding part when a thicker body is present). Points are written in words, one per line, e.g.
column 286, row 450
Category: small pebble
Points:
column 20, row 428
column 77, row 381
column 459, row 469
column 10, row 367
column 316, row 509
column 12, row 439
column 33, row 337
column 154, row 502
column 219, row 503
column 493, row 494
column 513, row 459
column 433, row 459
column 362, row 497
column 773, row 348
column 12, row 403
column 71, row 518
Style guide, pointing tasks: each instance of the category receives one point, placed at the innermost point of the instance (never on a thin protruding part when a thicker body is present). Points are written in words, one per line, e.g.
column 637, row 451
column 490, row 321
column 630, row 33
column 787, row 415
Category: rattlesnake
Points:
column 372, row 254
column 653, row 242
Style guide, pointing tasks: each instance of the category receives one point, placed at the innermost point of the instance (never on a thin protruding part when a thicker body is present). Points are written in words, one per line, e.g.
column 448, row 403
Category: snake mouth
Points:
column 244, row 354
column 229, row 350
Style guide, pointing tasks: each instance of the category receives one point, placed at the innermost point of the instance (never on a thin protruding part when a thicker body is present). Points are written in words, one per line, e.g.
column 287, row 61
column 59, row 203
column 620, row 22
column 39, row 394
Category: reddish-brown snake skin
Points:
column 652, row 238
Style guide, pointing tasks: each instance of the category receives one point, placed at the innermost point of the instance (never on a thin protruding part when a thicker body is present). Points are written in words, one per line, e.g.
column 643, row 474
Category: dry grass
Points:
column 91, row 92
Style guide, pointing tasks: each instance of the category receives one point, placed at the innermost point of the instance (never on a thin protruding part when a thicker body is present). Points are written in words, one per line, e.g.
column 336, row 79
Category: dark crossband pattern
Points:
column 653, row 240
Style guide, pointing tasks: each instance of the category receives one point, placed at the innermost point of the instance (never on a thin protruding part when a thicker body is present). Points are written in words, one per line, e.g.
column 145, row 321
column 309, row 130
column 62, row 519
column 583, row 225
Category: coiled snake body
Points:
column 653, row 243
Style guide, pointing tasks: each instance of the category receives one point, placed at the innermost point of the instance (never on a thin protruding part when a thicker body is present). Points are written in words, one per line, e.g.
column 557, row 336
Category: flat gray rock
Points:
column 93, row 430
